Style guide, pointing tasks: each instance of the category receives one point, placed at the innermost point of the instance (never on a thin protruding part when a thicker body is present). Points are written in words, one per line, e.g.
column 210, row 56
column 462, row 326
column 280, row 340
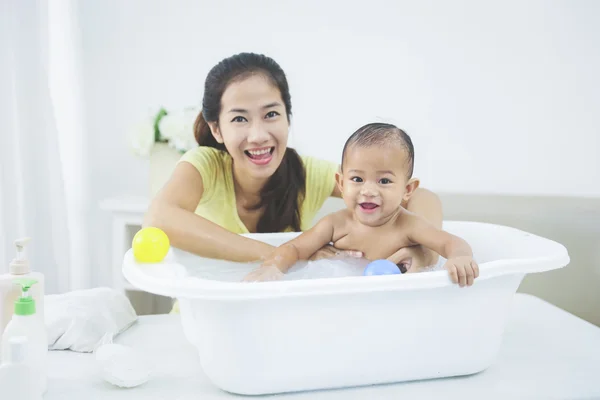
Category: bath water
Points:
column 337, row 267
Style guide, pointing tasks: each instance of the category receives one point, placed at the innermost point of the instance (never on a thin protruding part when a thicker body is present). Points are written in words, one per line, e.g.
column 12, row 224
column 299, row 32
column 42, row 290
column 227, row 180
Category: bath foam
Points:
column 324, row 268
column 336, row 267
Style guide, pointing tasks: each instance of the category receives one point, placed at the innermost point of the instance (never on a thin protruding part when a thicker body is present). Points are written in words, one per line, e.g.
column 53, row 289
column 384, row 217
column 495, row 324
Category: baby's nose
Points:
column 369, row 190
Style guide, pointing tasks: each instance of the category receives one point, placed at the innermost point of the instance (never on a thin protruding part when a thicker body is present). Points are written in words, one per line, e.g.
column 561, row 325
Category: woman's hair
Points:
column 283, row 193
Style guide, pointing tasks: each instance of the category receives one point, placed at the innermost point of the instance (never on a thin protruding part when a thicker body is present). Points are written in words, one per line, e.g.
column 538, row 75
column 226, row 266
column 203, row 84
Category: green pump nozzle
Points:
column 25, row 305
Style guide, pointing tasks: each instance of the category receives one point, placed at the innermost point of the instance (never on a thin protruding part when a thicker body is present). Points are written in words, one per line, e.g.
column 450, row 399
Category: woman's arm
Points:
column 172, row 210
column 428, row 205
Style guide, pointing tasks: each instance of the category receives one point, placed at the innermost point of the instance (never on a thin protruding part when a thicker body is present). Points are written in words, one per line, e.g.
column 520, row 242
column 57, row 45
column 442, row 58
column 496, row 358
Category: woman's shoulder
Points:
column 207, row 159
column 318, row 166
column 320, row 182
column 204, row 154
column 212, row 164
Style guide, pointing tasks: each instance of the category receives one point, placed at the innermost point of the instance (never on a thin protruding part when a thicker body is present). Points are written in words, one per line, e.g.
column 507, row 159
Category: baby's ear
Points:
column 216, row 132
column 411, row 186
column 339, row 179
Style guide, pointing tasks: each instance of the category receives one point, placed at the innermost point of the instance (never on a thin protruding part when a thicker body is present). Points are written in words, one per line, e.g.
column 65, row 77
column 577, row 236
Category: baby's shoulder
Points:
column 340, row 219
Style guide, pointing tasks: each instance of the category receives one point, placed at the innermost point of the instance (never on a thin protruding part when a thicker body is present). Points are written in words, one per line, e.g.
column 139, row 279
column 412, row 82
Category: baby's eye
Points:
column 384, row 181
column 271, row 114
column 356, row 179
column 239, row 119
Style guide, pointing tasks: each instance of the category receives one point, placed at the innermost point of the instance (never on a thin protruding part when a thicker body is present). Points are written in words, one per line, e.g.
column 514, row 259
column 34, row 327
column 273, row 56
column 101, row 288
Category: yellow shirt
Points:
column 218, row 200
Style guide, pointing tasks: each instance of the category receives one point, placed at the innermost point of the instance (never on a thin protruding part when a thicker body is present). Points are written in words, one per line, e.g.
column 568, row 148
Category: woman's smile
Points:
column 260, row 156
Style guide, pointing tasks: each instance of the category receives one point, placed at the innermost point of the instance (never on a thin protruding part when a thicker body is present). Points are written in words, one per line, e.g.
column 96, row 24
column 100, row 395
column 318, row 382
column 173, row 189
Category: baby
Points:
column 375, row 179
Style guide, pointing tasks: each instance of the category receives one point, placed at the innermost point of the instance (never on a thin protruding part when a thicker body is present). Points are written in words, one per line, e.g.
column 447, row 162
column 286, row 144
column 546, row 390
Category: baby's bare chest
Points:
column 372, row 243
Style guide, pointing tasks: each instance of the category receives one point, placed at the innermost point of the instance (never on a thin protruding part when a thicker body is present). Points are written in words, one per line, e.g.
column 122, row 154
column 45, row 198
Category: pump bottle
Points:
column 9, row 291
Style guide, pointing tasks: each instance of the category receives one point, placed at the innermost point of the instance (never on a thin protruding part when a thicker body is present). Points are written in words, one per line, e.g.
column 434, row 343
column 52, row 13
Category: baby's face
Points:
column 373, row 181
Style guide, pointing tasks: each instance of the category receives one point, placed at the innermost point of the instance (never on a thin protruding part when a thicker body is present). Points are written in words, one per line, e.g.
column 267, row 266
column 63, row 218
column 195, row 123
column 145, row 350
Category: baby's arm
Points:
column 299, row 248
column 459, row 255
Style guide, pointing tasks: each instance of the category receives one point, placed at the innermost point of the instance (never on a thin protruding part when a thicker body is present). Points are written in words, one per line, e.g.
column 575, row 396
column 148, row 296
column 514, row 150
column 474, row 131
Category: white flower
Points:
column 177, row 127
column 141, row 138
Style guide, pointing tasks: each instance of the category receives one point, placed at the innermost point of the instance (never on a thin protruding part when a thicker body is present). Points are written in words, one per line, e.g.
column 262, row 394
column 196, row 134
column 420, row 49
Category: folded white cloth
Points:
column 82, row 320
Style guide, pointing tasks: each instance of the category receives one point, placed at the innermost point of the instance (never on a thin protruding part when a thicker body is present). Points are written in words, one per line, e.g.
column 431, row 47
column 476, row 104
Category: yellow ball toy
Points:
column 150, row 245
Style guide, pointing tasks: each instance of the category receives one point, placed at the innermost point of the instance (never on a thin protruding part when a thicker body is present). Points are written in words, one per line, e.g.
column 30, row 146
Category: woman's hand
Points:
column 328, row 251
column 264, row 273
column 410, row 259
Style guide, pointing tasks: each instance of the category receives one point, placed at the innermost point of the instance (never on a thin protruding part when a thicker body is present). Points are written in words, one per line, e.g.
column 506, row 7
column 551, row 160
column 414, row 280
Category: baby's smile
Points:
column 368, row 207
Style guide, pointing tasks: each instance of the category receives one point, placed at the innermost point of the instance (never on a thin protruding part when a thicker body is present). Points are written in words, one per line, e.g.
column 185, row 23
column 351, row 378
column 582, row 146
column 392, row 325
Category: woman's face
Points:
column 253, row 125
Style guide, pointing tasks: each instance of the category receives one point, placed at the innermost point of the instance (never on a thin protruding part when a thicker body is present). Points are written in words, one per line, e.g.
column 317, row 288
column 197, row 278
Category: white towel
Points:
column 85, row 319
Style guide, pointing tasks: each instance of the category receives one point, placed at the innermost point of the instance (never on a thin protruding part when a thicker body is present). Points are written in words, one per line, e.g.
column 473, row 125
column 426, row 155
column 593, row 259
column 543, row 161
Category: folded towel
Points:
column 82, row 320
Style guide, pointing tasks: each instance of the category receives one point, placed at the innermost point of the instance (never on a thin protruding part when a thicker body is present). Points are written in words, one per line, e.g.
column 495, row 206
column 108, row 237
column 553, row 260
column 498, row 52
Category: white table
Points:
column 547, row 353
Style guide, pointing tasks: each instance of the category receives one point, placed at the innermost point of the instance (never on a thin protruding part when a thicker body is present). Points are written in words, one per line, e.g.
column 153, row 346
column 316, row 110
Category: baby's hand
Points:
column 463, row 270
column 264, row 273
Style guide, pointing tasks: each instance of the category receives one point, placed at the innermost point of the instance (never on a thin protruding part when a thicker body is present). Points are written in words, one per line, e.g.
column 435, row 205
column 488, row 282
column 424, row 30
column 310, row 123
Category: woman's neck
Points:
column 247, row 189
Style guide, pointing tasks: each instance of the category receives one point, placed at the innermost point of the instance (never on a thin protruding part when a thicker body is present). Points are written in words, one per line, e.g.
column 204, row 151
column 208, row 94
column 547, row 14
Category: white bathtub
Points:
column 273, row 337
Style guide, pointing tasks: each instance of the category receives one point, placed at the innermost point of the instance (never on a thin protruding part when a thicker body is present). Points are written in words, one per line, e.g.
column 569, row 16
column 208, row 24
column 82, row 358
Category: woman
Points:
column 243, row 178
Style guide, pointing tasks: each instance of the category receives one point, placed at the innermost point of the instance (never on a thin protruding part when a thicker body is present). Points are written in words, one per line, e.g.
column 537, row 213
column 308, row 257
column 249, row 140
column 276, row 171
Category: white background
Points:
column 499, row 97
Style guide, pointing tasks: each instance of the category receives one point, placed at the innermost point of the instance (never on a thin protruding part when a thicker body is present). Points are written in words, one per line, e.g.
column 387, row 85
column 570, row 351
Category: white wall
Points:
column 499, row 97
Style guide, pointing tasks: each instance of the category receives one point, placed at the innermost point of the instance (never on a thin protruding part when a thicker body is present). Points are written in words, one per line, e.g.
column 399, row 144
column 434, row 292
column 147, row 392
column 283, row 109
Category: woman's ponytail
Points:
column 282, row 196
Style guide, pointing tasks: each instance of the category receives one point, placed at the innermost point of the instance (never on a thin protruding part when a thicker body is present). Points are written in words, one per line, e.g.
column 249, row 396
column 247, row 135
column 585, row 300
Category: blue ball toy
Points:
column 381, row 267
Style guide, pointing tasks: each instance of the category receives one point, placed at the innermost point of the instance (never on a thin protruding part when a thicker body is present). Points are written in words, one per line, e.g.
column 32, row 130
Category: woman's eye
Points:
column 385, row 181
column 356, row 179
column 239, row 119
column 271, row 114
